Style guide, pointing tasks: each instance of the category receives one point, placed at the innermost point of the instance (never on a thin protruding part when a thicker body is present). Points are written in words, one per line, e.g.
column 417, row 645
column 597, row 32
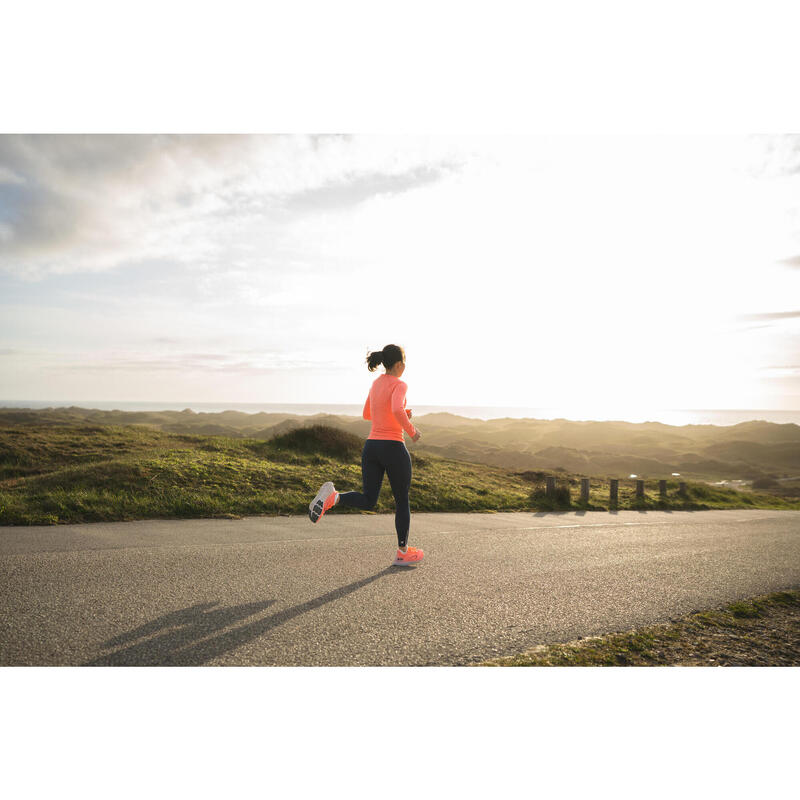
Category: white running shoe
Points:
column 326, row 498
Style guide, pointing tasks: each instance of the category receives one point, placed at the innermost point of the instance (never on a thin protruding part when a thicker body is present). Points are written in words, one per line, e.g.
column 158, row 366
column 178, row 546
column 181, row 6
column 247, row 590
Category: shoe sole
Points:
column 317, row 507
column 315, row 512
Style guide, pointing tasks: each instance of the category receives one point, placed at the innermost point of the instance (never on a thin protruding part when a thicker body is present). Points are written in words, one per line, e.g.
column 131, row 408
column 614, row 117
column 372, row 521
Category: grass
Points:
column 53, row 474
column 763, row 631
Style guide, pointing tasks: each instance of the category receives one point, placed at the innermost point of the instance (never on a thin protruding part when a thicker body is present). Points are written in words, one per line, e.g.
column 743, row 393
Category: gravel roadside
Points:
column 761, row 632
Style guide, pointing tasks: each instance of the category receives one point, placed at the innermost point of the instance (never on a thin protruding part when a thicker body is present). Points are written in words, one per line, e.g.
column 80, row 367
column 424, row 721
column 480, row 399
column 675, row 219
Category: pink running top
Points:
column 385, row 406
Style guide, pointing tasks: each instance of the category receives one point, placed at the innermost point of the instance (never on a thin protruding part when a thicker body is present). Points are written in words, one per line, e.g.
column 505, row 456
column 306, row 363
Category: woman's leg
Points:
column 398, row 468
column 372, row 477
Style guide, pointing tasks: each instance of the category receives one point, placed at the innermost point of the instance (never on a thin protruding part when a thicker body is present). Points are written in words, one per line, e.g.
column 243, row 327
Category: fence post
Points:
column 682, row 489
column 614, row 491
column 640, row 489
column 584, row 490
column 662, row 489
column 551, row 486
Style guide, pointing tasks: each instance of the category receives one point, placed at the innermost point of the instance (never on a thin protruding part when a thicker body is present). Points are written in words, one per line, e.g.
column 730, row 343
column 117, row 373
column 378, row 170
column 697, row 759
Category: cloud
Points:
column 780, row 156
column 787, row 368
column 774, row 315
column 91, row 203
column 208, row 363
column 35, row 218
column 88, row 203
column 357, row 189
column 9, row 176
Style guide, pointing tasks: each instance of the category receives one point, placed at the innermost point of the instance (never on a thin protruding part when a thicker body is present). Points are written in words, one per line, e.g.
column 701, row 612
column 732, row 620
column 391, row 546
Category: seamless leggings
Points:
column 392, row 457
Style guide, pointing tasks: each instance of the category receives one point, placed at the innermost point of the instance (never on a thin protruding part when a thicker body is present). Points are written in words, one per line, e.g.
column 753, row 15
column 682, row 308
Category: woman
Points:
column 384, row 450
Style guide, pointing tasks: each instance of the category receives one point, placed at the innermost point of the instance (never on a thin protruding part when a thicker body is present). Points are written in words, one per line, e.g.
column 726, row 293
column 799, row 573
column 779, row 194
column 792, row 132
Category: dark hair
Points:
column 389, row 356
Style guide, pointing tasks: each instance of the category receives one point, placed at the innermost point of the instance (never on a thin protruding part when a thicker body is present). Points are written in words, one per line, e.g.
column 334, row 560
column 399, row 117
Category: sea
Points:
column 665, row 416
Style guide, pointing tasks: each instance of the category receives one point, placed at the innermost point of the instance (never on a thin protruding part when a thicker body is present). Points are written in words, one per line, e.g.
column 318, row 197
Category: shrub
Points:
column 561, row 499
column 766, row 483
column 320, row 440
column 532, row 476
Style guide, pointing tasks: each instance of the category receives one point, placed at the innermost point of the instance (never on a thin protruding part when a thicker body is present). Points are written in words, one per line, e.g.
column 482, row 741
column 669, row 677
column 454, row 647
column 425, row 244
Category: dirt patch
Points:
column 761, row 632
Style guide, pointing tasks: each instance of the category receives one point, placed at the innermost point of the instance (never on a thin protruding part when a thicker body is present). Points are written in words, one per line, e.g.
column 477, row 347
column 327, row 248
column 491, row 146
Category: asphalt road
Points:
column 282, row 591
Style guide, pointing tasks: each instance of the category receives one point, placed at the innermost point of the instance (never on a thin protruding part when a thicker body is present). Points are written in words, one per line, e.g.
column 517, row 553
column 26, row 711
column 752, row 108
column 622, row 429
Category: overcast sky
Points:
column 590, row 273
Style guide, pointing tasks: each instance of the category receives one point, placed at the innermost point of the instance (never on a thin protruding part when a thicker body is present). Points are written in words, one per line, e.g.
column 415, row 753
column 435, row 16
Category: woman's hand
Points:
column 415, row 437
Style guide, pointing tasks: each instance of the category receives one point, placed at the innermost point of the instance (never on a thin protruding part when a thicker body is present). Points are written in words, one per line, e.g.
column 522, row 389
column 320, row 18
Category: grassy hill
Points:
column 55, row 468
column 748, row 451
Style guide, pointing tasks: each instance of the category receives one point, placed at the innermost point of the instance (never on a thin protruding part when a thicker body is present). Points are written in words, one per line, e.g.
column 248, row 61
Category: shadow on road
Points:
column 186, row 643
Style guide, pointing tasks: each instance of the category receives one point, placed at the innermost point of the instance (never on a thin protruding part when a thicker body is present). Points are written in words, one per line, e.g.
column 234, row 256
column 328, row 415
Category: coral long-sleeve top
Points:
column 386, row 407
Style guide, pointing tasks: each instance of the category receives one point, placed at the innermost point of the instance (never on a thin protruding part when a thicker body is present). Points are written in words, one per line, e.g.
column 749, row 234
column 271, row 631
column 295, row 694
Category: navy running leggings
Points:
column 387, row 455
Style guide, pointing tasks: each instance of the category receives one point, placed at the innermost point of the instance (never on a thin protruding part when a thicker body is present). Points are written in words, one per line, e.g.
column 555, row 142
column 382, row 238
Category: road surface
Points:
column 282, row 591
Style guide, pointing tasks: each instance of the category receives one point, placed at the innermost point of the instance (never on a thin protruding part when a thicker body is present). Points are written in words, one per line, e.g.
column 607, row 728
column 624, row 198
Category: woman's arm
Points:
column 367, row 410
column 399, row 409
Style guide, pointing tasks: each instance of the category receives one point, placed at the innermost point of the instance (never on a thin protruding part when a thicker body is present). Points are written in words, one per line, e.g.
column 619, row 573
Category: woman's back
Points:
column 385, row 406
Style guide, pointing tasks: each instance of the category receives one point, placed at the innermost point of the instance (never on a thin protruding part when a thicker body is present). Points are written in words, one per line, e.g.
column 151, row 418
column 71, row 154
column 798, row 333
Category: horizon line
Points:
column 188, row 403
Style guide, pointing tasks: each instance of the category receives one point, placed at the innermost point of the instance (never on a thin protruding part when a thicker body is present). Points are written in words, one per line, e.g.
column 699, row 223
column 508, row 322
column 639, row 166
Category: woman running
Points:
column 384, row 450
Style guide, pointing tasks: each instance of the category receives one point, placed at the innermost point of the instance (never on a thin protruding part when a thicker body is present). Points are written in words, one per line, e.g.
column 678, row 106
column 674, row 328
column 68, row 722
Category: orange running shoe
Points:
column 408, row 559
column 326, row 498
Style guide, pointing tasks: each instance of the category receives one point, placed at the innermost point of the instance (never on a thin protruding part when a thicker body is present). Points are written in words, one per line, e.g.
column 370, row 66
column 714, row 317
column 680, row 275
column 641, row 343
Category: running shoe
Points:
column 408, row 559
column 326, row 498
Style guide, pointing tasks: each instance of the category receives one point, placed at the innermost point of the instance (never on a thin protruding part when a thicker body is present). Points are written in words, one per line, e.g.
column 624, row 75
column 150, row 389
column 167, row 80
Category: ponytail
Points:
column 374, row 360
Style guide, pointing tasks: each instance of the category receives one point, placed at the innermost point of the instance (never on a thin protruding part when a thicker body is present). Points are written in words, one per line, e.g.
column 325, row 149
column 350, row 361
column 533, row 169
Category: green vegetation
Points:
column 319, row 439
column 84, row 474
column 699, row 496
column 764, row 631
column 64, row 471
column 764, row 453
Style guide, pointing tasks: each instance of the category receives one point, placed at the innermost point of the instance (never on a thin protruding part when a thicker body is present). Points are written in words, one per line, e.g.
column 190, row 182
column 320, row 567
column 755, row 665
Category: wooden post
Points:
column 614, row 492
column 584, row 490
column 662, row 489
column 640, row 488
column 551, row 486
column 682, row 489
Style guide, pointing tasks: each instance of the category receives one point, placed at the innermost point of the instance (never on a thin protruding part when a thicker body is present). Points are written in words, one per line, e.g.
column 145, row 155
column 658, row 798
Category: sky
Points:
column 592, row 274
